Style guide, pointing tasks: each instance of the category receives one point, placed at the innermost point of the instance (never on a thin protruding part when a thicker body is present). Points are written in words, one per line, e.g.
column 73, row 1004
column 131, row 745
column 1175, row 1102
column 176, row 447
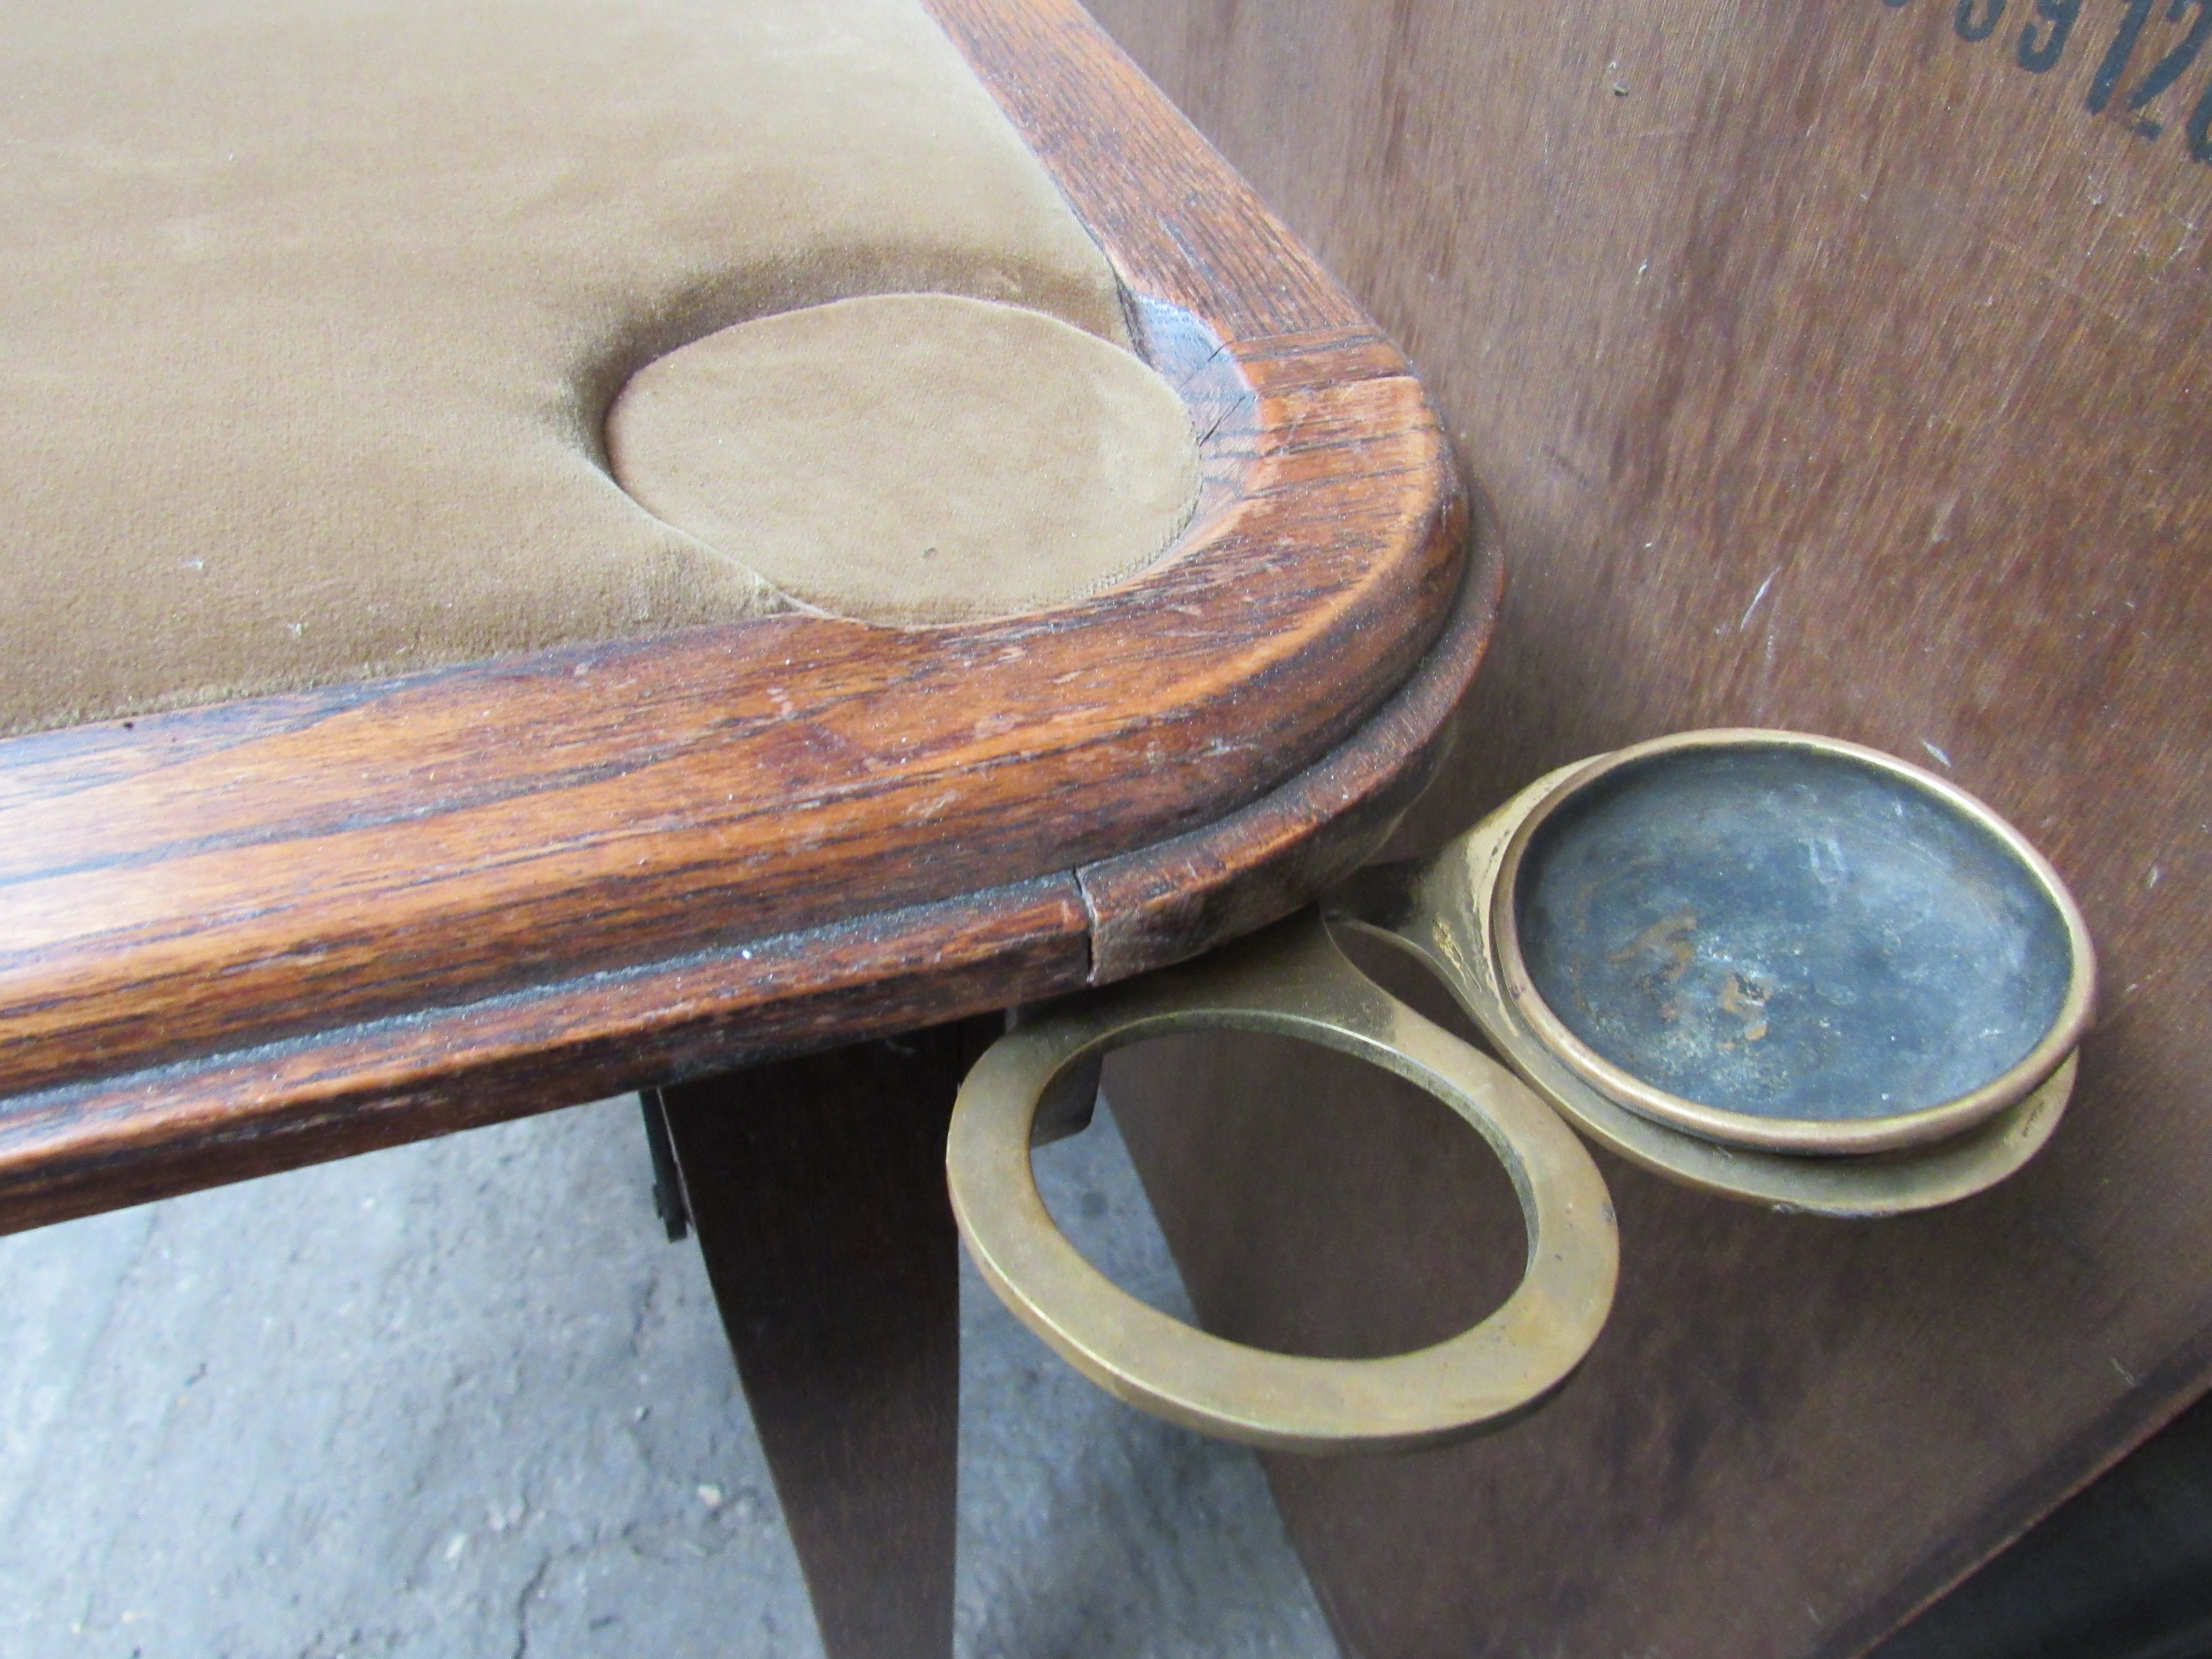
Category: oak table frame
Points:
column 241, row 937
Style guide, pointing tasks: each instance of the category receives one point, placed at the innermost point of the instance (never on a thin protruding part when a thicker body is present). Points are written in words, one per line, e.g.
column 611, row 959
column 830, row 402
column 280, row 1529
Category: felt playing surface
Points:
column 313, row 312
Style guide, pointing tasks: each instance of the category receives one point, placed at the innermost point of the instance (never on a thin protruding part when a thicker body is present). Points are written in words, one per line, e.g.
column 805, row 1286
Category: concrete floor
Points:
column 462, row 1399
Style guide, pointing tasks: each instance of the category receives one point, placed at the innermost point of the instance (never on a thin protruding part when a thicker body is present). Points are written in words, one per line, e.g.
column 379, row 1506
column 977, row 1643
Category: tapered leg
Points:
column 816, row 1186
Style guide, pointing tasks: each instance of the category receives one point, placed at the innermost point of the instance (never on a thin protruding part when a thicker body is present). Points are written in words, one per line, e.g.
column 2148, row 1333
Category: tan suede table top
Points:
column 313, row 315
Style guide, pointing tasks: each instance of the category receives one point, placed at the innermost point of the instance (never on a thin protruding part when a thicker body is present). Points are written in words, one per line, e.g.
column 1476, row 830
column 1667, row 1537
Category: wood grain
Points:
column 1826, row 368
column 79, row 1148
column 1163, row 904
column 235, row 935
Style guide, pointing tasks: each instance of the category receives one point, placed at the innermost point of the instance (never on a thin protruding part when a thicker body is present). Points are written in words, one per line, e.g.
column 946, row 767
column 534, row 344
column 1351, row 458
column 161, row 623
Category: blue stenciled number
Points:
column 2043, row 43
column 2172, row 67
column 2200, row 128
column 1970, row 28
column 2035, row 56
column 2115, row 60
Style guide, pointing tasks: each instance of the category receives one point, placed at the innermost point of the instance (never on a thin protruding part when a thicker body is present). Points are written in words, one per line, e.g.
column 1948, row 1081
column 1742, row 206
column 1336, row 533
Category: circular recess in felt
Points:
column 912, row 458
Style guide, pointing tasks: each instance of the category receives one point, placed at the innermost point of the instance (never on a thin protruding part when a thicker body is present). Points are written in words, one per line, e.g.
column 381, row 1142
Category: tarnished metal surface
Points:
column 1789, row 932
column 1788, row 942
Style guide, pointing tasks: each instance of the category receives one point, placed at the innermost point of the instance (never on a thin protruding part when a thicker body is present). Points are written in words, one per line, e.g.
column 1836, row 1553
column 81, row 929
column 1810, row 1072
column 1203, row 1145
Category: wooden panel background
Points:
column 1831, row 366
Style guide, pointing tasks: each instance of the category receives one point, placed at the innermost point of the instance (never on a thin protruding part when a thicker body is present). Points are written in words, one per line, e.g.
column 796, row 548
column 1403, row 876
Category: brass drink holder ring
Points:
column 1292, row 981
column 1684, row 902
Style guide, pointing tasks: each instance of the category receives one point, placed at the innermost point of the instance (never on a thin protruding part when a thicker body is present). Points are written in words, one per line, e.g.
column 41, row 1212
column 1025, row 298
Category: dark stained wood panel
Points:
column 816, row 1186
column 1829, row 368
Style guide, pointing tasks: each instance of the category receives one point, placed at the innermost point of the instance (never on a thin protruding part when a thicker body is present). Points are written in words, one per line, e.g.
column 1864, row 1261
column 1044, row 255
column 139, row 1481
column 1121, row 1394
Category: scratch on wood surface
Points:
column 2104, row 308
column 1756, row 597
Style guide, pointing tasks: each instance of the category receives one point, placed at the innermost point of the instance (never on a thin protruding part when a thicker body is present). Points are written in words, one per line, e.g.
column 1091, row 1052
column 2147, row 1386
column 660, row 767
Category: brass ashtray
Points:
column 1779, row 968
column 1788, row 943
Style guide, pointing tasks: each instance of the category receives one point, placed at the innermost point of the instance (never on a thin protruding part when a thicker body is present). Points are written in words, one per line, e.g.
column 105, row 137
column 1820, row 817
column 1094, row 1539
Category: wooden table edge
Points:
column 124, row 1106
column 81, row 1148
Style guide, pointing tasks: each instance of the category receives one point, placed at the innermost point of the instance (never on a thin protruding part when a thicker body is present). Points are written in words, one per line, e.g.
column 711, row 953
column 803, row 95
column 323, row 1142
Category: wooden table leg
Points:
column 816, row 1186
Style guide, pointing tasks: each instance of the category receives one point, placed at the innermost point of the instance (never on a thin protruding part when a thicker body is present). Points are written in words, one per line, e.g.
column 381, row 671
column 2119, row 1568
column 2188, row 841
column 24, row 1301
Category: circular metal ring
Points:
column 1444, row 920
column 1290, row 981
column 1937, row 1122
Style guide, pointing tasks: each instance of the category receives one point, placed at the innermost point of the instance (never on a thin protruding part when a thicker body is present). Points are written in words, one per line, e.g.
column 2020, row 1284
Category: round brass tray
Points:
column 1783, row 921
column 1441, row 912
